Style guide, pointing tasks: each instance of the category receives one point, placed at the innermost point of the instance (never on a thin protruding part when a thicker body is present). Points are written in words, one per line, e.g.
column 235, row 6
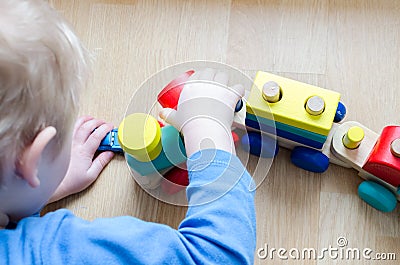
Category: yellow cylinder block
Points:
column 139, row 135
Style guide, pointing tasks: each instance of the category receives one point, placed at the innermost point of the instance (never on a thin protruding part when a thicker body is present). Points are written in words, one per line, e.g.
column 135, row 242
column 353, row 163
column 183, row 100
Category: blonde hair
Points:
column 42, row 67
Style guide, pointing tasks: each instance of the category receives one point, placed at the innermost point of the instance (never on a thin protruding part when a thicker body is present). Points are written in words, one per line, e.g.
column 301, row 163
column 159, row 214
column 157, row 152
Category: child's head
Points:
column 42, row 67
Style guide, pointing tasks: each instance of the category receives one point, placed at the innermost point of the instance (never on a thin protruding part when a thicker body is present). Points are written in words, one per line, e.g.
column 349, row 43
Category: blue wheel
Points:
column 309, row 159
column 260, row 145
column 340, row 112
column 377, row 196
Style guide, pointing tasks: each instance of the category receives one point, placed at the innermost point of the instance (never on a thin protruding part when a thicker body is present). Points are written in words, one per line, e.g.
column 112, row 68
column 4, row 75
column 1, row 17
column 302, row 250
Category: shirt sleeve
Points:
column 219, row 227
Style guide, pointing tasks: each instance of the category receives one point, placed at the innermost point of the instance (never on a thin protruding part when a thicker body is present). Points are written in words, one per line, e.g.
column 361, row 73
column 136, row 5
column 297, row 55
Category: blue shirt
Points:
column 219, row 227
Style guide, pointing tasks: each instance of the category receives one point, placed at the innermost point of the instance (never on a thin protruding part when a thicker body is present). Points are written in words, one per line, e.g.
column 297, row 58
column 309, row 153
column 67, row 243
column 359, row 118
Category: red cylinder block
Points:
column 235, row 138
column 381, row 162
column 175, row 180
column 169, row 96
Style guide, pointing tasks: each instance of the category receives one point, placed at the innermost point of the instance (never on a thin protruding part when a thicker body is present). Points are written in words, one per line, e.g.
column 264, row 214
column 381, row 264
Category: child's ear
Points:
column 27, row 165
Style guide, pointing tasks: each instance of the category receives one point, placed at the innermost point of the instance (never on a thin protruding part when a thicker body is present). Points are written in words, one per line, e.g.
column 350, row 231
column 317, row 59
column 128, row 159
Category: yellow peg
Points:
column 353, row 137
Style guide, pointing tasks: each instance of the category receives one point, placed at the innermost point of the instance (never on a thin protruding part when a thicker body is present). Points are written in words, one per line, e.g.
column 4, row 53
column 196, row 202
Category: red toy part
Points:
column 169, row 96
column 235, row 138
column 175, row 180
column 381, row 162
column 161, row 124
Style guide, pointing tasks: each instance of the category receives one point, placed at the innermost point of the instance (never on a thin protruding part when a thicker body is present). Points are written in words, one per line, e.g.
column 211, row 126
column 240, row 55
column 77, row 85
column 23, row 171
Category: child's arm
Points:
column 83, row 170
column 221, row 231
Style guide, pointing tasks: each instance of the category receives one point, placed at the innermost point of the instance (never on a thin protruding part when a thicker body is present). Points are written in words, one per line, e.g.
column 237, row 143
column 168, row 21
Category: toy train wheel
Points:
column 239, row 105
column 260, row 145
column 377, row 196
column 309, row 159
column 340, row 112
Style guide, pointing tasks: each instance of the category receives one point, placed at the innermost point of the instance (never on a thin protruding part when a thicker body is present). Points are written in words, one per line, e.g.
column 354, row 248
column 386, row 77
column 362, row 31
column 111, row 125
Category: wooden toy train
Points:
column 279, row 112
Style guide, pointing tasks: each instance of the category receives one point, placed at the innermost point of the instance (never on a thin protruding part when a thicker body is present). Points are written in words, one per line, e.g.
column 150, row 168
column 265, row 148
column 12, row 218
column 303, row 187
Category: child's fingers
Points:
column 194, row 76
column 81, row 120
column 207, row 74
column 169, row 116
column 95, row 138
column 86, row 129
column 98, row 164
column 239, row 90
column 221, row 78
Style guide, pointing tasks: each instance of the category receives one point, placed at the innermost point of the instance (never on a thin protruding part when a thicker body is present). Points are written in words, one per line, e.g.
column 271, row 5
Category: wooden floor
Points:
column 347, row 46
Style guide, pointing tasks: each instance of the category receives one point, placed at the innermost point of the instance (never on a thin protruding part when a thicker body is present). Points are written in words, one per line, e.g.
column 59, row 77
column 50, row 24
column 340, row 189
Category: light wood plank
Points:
column 281, row 36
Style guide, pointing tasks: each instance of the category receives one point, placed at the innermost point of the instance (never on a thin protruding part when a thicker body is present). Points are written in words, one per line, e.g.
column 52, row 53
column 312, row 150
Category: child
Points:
column 42, row 67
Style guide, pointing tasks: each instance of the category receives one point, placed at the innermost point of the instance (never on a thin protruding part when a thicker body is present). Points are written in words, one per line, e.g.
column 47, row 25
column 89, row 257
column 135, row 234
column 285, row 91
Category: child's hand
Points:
column 205, row 112
column 83, row 170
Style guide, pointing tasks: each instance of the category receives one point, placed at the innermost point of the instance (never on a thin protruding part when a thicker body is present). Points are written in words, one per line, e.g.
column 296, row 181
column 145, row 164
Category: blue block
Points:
column 377, row 196
column 260, row 145
column 284, row 134
column 309, row 159
column 288, row 128
column 173, row 153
